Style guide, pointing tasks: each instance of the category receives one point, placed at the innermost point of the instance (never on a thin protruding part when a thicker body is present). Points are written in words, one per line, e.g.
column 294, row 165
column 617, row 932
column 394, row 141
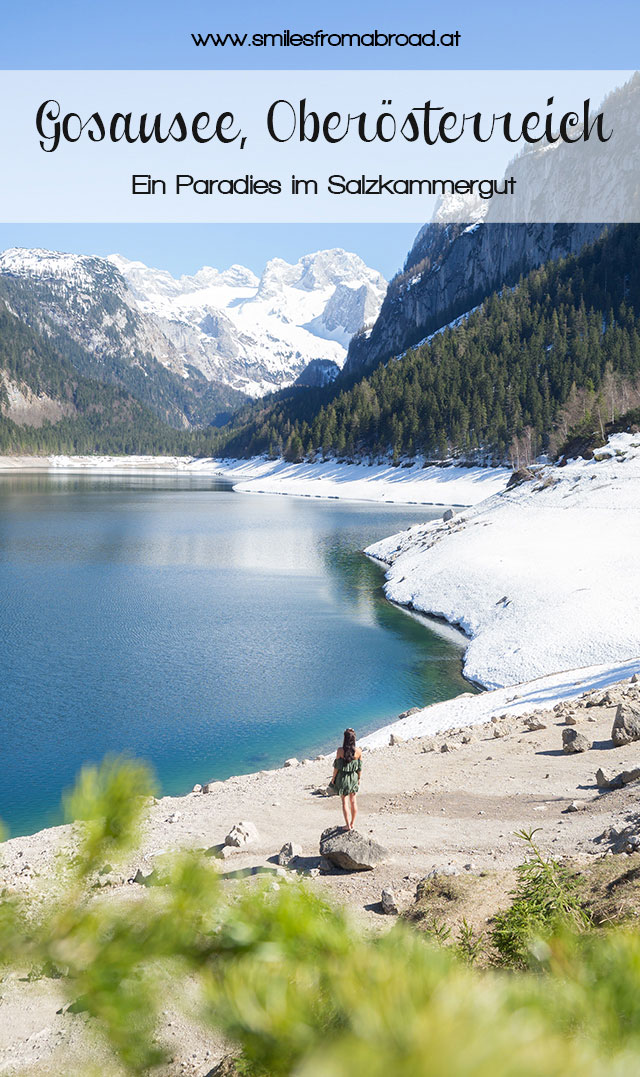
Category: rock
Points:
column 289, row 851
column 389, row 902
column 435, row 872
column 533, row 724
column 605, row 780
column 293, row 762
column 636, row 678
column 629, row 776
column 173, row 817
column 324, row 791
column 570, row 719
column 227, row 851
column 407, row 714
column 206, row 788
column 325, row 866
column 573, row 806
column 626, row 724
column 241, row 834
column 522, row 474
column 350, row 850
column 573, row 742
column 227, row 1067
column 142, row 879
column 197, row 789
column 394, row 740
column 448, row 515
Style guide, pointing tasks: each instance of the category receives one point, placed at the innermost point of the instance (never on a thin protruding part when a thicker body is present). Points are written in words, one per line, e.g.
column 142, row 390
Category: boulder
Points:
column 293, row 762
column 448, row 515
column 197, row 789
column 604, row 780
column 325, row 791
column 573, row 742
column 241, row 834
column 227, row 1067
column 144, row 880
column 629, row 776
column 407, row 714
column 389, row 902
column 288, row 852
column 350, row 850
column 636, row 678
column 395, row 739
column 626, row 724
column 533, row 724
column 522, row 474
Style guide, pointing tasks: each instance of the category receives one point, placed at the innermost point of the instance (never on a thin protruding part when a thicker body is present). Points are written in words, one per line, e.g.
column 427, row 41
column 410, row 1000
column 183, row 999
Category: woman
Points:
column 347, row 769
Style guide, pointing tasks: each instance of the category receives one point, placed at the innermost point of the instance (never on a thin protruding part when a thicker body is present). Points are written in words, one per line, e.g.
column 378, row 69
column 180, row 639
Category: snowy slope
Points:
column 258, row 335
column 543, row 577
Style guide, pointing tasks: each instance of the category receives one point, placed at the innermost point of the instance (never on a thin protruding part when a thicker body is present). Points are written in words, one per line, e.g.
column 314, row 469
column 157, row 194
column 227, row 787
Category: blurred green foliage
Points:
column 299, row 990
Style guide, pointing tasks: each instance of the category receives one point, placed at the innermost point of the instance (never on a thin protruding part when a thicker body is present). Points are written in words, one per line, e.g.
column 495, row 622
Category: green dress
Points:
column 348, row 775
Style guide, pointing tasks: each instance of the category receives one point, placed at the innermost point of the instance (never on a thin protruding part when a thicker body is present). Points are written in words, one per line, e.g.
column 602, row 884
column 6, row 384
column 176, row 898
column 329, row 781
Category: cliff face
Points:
column 450, row 269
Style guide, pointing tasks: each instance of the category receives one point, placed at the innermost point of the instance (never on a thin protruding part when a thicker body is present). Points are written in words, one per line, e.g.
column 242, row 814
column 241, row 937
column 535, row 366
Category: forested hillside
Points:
column 555, row 357
column 558, row 354
column 47, row 406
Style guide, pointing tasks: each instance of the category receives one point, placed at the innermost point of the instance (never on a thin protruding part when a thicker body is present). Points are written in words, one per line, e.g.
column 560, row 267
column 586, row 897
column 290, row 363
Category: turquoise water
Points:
column 209, row 632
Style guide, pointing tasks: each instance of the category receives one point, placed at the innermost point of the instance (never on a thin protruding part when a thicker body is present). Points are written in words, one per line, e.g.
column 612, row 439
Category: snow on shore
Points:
column 328, row 480
column 537, row 695
column 361, row 482
column 542, row 577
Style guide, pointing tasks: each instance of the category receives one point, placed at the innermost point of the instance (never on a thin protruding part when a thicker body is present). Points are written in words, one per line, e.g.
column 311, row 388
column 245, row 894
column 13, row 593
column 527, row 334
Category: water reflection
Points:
column 207, row 631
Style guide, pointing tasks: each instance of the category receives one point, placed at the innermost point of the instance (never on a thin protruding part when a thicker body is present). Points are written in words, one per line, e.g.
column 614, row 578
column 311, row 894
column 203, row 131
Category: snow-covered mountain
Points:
column 194, row 347
column 257, row 335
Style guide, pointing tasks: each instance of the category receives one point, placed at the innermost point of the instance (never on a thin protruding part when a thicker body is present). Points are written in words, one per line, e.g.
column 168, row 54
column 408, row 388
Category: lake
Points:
column 208, row 632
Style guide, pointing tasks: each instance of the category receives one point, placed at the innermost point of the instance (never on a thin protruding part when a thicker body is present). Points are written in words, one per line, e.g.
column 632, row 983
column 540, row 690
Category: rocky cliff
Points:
column 450, row 269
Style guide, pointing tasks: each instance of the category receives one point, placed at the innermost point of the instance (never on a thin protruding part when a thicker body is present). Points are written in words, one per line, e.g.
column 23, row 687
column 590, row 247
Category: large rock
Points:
column 605, row 780
column 533, row 723
column 626, row 724
column 389, row 902
column 289, row 851
column 573, row 742
column 350, row 850
column 241, row 834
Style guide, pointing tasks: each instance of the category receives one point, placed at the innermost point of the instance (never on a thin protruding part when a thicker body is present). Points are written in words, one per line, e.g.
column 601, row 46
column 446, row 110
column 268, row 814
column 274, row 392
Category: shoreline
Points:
column 441, row 805
column 440, row 486
column 540, row 577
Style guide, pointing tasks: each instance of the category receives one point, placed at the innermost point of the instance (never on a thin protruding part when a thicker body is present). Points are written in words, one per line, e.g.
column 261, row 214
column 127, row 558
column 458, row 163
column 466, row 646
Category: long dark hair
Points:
column 349, row 745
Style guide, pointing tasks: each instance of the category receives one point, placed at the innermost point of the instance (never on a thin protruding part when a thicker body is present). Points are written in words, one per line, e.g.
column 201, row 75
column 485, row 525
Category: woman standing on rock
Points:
column 346, row 776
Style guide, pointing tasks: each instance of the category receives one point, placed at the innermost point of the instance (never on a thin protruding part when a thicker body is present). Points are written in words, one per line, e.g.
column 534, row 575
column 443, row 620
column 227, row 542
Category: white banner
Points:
column 313, row 146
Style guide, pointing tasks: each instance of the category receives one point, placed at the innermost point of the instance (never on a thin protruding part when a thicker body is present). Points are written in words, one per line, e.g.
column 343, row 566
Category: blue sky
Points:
column 184, row 248
column 156, row 35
